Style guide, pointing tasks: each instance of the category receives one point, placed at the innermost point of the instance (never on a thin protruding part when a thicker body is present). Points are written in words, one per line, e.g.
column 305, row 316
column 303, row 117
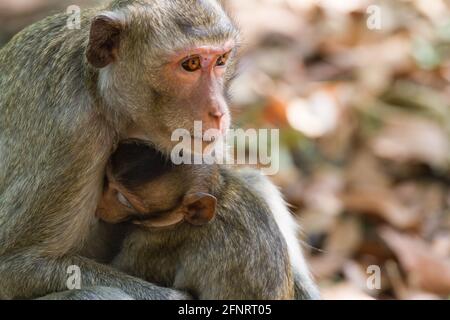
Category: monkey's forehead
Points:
column 183, row 22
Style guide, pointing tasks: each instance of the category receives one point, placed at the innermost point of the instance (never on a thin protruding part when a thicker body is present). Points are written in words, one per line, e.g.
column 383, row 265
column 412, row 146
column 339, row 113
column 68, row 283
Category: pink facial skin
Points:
column 205, row 84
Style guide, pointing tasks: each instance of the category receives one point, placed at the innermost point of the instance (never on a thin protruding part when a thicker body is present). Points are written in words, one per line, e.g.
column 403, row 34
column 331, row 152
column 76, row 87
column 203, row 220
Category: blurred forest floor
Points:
column 365, row 128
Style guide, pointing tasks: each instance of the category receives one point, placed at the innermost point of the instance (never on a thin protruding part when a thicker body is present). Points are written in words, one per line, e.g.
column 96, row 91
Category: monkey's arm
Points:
column 27, row 275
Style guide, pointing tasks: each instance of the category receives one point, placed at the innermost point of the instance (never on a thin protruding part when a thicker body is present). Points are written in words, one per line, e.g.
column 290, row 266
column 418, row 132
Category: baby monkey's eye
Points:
column 223, row 59
column 192, row 64
column 124, row 200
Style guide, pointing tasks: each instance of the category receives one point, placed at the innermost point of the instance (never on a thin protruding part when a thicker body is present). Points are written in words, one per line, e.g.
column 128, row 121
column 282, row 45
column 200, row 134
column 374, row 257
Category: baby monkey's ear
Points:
column 200, row 208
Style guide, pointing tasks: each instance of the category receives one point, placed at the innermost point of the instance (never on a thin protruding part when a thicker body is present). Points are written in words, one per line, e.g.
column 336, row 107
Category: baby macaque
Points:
column 143, row 186
column 201, row 229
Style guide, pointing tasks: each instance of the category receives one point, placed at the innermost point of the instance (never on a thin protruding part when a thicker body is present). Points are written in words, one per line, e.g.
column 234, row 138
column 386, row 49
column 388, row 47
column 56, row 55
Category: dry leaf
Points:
column 425, row 269
column 344, row 291
column 412, row 139
column 381, row 203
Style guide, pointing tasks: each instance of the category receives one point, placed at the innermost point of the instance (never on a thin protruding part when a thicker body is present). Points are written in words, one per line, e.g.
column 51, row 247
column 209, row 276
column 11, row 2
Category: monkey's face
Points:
column 151, row 198
column 166, row 65
column 182, row 89
column 197, row 75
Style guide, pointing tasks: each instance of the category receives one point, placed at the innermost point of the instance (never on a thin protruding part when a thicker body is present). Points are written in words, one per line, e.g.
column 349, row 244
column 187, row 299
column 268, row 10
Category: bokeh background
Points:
column 360, row 90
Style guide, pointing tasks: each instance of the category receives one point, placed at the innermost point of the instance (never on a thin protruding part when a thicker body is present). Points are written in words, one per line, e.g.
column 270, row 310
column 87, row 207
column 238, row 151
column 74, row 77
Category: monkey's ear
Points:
column 104, row 40
column 200, row 208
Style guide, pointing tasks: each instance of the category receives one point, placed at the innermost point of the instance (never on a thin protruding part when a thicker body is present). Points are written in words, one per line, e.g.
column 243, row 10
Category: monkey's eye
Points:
column 191, row 64
column 124, row 200
column 223, row 59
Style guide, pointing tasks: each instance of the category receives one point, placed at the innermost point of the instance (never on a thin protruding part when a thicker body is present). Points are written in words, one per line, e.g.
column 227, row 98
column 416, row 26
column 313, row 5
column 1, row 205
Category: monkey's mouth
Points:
column 204, row 141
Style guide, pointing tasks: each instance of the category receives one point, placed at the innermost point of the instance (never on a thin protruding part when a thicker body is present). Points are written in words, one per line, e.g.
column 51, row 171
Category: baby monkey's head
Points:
column 143, row 186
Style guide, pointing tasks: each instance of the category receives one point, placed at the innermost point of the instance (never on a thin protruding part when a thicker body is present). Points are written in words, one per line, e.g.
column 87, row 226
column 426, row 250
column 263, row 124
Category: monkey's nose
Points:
column 216, row 117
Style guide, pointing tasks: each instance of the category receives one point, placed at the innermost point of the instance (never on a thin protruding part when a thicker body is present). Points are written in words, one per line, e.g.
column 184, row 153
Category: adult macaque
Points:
column 241, row 254
column 67, row 97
